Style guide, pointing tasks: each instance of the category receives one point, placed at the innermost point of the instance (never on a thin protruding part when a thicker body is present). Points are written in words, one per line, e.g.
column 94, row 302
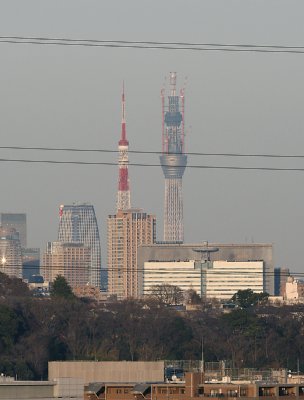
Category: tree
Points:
column 167, row 294
column 247, row 298
column 192, row 297
column 61, row 288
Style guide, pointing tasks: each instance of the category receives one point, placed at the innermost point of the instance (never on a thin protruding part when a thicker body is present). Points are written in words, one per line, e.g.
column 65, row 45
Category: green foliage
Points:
column 61, row 288
column 247, row 298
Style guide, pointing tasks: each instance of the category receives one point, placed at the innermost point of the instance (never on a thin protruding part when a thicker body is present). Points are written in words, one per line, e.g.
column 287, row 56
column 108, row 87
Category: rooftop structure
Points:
column 173, row 161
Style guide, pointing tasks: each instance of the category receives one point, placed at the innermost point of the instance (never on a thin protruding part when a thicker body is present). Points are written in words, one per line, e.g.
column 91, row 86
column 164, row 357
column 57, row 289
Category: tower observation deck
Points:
column 173, row 161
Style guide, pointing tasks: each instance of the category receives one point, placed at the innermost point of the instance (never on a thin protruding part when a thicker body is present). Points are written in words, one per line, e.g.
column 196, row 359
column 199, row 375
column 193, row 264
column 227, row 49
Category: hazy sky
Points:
column 235, row 102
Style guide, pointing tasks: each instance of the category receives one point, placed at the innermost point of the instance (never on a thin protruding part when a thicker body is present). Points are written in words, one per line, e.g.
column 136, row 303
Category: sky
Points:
column 52, row 96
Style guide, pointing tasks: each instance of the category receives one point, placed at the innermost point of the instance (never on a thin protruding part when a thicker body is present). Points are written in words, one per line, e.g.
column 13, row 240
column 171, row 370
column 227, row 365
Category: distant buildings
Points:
column 78, row 224
column 30, row 262
column 212, row 280
column 71, row 260
column 16, row 221
column 294, row 290
column 10, row 252
column 280, row 279
column 225, row 278
column 231, row 271
column 184, row 274
column 127, row 229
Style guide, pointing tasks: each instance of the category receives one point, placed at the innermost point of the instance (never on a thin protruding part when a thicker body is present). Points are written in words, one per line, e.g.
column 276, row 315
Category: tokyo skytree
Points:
column 173, row 160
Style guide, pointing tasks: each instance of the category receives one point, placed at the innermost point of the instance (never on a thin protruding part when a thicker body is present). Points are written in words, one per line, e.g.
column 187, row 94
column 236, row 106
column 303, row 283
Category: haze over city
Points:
column 69, row 97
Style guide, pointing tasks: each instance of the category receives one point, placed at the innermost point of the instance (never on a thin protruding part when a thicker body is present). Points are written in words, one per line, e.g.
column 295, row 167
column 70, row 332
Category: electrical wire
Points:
column 73, row 149
column 235, row 168
column 152, row 45
column 164, row 270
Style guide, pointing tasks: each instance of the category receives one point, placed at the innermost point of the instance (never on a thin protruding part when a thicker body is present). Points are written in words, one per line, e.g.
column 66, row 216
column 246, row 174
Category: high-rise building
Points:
column 127, row 229
column 71, row 260
column 173, row 161
column 16, row 221
column 78, row 224
column 10, row 252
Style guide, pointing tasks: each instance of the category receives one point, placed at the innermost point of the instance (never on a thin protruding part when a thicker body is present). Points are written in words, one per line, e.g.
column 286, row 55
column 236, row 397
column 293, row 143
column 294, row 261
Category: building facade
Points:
column 184, row 274
column 225, row 278
column 10, row 252
column 78, row 224
column 127, row 229
column 217, row 279
column 71, row 260
column 227, row 252
column 173, row 161
column 16, row 221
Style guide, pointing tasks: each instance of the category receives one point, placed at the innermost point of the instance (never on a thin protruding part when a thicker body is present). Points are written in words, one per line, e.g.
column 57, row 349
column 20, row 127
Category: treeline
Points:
column 63, row 327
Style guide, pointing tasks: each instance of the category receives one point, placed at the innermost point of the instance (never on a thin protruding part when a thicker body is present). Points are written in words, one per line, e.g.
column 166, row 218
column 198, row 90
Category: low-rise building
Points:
column 194, row 387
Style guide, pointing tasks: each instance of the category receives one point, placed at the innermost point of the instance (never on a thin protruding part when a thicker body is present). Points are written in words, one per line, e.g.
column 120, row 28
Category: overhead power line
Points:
column 69, row 149
column 224, row 47
column 150, row 165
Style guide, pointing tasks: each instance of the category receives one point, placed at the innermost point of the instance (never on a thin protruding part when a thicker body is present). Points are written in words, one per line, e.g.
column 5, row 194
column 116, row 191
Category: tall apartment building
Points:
column 71, row 260
column 78, row 224
column 10, row 252
column 127, row 229
column 16, row 221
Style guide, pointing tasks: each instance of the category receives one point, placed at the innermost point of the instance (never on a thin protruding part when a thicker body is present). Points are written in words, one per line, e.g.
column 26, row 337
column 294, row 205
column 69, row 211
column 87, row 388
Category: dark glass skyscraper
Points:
column 78, row 224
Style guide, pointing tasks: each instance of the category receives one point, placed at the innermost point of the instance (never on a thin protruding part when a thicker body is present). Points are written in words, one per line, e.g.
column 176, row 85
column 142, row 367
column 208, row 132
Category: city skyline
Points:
column 237, row 102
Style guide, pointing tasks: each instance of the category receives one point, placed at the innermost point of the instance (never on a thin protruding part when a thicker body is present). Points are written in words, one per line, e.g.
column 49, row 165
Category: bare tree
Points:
column 167, row 294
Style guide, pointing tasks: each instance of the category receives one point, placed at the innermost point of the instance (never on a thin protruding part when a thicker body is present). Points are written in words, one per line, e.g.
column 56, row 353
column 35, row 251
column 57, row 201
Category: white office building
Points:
column 227, row 277
column 185, row 274
column 217, row 279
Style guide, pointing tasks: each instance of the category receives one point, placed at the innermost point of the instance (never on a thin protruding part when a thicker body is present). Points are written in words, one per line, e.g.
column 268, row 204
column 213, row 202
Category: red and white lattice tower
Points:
column 123, row 194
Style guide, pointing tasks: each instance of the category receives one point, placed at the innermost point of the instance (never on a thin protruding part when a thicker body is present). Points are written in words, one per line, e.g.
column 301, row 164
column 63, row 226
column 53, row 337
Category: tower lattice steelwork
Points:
column 123, row 194
column 128, row 229
column 173, row 160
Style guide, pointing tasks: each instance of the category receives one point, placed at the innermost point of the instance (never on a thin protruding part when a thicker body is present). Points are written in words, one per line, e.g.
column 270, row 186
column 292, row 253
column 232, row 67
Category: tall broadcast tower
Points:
column 173, row 161
column 123, row 194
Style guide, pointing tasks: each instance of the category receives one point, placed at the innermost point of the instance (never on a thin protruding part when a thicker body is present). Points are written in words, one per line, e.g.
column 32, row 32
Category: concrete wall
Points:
column 108, row 371
column 26, row 390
